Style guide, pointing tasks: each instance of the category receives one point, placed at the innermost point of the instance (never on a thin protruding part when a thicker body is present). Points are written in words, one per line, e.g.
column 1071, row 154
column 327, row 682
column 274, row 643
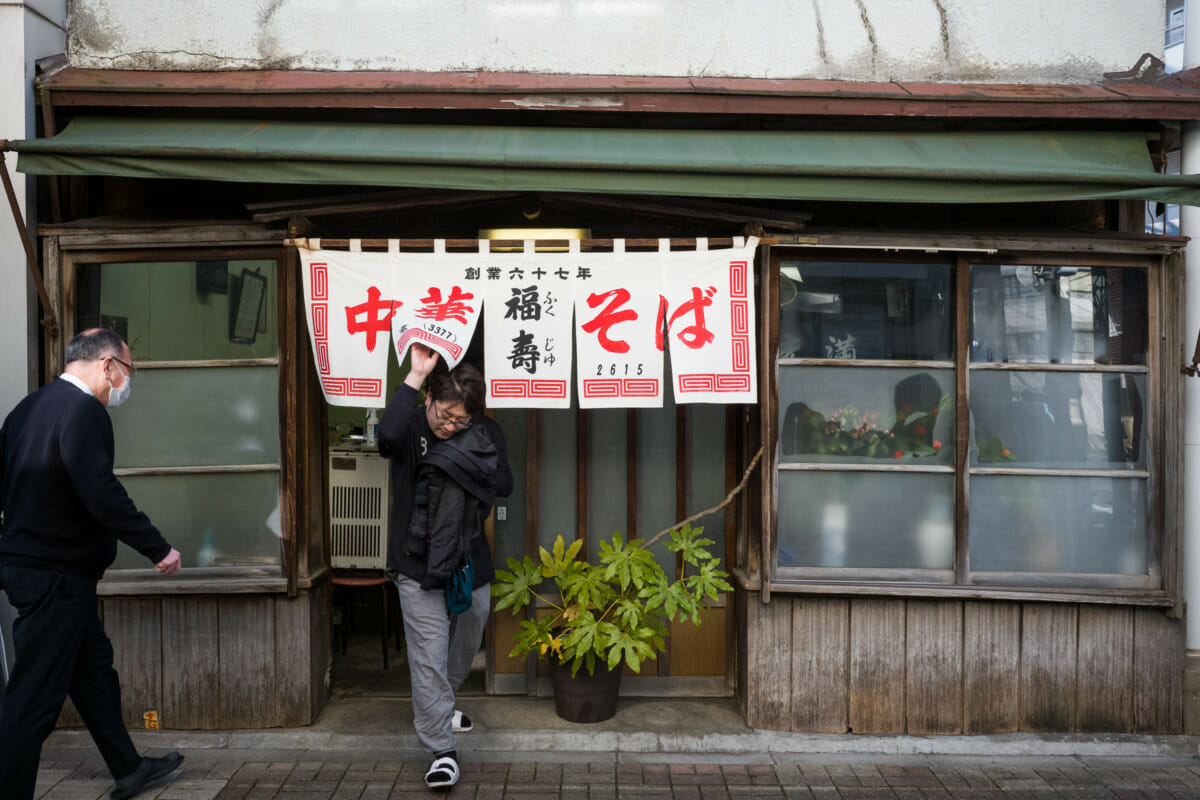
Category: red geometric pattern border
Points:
column 318, row 282
column 739, row 322
column 421, row 333
column 528, row 387
column 352, row 387
column 621, row 387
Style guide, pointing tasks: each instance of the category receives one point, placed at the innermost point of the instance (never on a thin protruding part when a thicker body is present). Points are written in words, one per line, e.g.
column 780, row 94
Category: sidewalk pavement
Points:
column 654, row 749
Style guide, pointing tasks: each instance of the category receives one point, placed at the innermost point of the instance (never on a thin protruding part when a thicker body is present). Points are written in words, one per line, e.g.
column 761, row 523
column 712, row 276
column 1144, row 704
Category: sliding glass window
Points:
column 198, row 443
column 948, row 422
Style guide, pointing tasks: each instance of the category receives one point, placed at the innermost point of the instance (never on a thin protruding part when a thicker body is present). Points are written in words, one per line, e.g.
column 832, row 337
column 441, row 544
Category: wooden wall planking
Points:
column 1105, row 669
column 877, row 663
column 991, row 667
column 293, row 657
column 247, row 642
column 934, row 667
column 134, row 625
column 320, row 600
column 215, row 662
column 1048, row 647
column 699, row 650
column 946, row 667
column 1158, row 662
column 191, row 663
column 820, row 663
column 769, row 702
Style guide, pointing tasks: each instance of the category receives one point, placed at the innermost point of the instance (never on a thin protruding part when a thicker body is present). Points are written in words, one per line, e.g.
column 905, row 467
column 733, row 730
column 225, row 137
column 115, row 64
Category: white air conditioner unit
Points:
column 360, row 501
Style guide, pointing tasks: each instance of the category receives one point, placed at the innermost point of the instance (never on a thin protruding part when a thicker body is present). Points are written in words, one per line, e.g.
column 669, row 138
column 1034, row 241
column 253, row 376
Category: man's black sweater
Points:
column 63, row 508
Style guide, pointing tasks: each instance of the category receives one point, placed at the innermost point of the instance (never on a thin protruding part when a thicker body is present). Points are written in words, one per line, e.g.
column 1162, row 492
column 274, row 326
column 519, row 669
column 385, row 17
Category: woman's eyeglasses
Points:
column 446, row 419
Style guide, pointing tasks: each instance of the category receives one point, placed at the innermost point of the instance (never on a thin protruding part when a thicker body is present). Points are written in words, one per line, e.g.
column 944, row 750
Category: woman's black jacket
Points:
column 456, row 485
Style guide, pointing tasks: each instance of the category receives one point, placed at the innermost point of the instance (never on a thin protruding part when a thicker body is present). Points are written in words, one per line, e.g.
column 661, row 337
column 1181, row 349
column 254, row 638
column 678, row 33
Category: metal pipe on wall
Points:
column 1189, row 224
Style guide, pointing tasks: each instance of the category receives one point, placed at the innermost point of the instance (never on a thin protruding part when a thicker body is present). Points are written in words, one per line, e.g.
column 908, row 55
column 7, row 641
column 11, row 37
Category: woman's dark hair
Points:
column 463, row 384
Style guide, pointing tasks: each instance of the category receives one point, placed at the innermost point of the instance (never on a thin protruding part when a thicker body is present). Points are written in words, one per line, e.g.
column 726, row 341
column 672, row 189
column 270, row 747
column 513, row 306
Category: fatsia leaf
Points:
column 515, row 589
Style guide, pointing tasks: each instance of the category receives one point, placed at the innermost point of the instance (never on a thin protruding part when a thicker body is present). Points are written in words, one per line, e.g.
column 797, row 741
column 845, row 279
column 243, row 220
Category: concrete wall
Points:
column 1071, row 41
column 28, row 31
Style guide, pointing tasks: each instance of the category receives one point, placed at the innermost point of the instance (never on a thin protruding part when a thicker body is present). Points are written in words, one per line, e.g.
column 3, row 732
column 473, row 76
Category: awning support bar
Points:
column 49, row 320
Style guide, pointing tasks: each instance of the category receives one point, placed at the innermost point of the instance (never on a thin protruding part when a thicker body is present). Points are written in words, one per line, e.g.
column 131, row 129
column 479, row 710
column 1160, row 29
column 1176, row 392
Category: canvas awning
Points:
column 875, row 166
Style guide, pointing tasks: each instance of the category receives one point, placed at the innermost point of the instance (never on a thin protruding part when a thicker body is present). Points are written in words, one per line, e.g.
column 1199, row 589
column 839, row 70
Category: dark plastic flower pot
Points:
column 584, row 697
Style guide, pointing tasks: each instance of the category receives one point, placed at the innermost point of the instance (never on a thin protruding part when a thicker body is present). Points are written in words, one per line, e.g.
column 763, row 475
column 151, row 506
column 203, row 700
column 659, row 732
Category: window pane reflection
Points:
column 182, row 310
column 200, row 416
column 866, row 519
column 1058, row 419
column 222, row 520
column 1058, row 315
column 865, row 310
column 1036, row 523
column 858, row 415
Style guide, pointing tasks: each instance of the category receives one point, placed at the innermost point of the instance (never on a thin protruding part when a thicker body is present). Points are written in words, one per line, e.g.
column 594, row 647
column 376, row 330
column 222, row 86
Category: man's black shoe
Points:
column 151, row 769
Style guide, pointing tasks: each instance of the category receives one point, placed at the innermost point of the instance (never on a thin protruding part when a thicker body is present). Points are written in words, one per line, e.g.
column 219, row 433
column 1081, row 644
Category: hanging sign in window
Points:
column 527, row 326
column 618, row 311
column 349, row 305
column 617, row 335
column 709, row 314
column 441, row 306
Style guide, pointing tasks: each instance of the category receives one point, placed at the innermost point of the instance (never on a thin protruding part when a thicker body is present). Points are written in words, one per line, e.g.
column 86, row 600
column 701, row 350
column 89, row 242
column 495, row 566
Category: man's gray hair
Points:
column 94, row 344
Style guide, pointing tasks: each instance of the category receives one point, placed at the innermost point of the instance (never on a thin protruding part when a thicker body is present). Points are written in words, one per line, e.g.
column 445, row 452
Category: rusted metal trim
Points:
column 1194, row 369
column 1122, row 109
column 49, row 320
column 613, row 93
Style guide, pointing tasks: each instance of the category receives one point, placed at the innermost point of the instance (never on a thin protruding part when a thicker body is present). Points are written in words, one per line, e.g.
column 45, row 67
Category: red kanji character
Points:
column 696, row 335
column 364, row 317
column 608, row 317
column 452, row 308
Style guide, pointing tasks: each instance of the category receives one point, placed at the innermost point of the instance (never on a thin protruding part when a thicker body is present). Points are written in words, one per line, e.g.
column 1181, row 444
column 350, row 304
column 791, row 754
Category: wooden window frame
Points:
column 1163, row 260
column 304, row 560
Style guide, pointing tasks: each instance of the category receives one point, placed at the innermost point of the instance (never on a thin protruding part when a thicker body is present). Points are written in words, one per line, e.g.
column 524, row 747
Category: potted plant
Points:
column 608, row 615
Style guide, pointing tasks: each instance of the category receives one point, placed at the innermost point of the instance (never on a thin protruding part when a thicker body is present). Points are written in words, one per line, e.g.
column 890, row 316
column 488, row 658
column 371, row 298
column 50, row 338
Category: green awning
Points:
column 971, row 167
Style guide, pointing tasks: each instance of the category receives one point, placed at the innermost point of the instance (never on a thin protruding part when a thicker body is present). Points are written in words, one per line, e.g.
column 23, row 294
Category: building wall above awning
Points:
column 924, row 167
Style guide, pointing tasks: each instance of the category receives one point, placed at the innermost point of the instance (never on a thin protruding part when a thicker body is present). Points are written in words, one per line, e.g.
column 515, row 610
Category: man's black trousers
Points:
column 61, row 650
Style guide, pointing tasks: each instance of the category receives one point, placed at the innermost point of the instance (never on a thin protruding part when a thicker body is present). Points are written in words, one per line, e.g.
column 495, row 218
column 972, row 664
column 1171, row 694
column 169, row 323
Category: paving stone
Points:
column 199, row 789
column 79, row 789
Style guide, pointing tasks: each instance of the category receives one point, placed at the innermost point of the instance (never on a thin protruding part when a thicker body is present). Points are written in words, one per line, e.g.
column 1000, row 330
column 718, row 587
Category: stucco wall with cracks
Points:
column 1067, row 41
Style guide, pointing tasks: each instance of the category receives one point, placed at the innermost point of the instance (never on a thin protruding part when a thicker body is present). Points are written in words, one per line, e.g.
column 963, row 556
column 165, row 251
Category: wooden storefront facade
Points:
column 812, row 640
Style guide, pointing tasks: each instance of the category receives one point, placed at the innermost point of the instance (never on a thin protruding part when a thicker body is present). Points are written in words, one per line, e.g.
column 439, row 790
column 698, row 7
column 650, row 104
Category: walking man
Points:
column 63, row 512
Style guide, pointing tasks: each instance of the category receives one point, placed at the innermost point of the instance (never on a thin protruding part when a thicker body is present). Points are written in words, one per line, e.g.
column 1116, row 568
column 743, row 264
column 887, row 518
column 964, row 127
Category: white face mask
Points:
column 117, row 396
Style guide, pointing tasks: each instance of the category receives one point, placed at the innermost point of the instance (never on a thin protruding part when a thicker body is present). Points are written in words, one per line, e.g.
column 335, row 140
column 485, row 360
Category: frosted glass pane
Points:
column 865, row 414
column 223, row 520
column 556, row 477
column 1058, row 419
column 166, row 315
column 865, row 310
column 510, row 531
column 1058, row 315
column 1068, row 524
column 706, row 470
column 607, row 476
column 199, row 416
column 656, row 476
column 866, row 520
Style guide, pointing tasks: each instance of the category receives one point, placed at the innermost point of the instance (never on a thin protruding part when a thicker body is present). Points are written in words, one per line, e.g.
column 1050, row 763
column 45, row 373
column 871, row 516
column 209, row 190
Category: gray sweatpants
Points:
column 440, row 651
